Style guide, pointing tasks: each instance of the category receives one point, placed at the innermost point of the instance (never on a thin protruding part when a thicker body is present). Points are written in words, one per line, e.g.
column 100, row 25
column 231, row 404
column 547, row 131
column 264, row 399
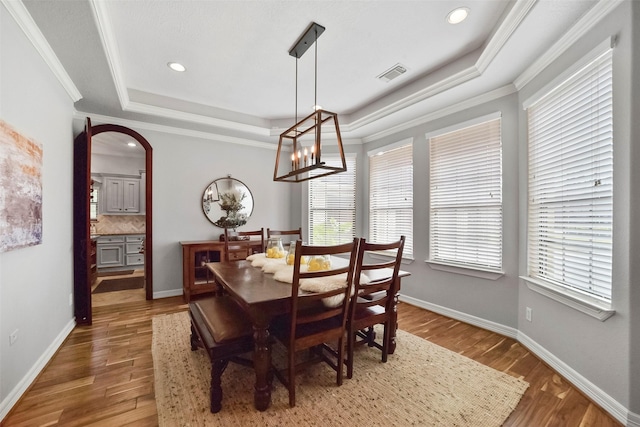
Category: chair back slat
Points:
column 301, row 313
column 373, row 296
column 233, row 246
column 290, row 235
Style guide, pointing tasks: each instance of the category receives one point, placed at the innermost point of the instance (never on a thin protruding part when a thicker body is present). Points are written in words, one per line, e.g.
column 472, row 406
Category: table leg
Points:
column 262, row 364
column 393, row 318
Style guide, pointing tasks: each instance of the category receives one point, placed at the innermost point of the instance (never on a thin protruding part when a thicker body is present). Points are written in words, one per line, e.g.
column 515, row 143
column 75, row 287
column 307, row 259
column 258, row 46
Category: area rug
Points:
column 122, row 284
column 422, row 384
column 114, row 273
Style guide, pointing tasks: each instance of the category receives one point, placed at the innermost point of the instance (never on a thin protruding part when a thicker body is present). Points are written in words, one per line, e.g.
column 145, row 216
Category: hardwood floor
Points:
column 103, row 374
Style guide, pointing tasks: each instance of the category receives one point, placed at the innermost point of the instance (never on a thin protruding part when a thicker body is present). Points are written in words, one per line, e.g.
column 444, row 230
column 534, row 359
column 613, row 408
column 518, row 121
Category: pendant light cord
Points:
column 315, row 77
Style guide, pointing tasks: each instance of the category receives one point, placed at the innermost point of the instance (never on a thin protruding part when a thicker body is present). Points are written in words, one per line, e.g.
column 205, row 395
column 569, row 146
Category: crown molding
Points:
column 455, row 108
column 434, row 89
column 135, row 124
column 110, row 46
column 138, row 107
column 499, row 38
column 24, row 20
column 592, row 17
column 513, row 19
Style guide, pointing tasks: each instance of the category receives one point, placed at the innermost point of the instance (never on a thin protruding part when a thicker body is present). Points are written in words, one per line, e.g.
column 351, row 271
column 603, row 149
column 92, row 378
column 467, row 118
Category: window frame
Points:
column 351, row 161
column 595, row 306
column 407, row 231
column 452, row 265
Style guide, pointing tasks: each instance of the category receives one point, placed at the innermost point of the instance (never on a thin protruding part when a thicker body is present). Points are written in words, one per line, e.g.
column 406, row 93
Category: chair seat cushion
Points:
column 224, row 319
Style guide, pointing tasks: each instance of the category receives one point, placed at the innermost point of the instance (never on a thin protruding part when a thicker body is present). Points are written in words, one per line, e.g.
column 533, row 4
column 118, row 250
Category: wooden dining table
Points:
column 263, row 298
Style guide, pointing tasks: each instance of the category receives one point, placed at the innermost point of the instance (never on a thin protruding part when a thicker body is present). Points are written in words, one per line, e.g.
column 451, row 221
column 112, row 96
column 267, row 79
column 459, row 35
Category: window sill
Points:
column 465, row 270
column 587, row 305
column 408, row 259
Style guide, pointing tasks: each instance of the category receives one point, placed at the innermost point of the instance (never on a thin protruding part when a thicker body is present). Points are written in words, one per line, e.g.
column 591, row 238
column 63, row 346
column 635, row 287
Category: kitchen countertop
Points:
column 132, row 233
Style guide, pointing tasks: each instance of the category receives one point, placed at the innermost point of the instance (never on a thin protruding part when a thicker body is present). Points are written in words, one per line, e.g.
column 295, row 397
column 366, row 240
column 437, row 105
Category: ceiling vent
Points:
column 392, row 73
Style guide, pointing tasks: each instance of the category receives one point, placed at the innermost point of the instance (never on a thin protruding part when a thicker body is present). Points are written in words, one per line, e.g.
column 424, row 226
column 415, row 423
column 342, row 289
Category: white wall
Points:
column 119, row 165
column 35, row 282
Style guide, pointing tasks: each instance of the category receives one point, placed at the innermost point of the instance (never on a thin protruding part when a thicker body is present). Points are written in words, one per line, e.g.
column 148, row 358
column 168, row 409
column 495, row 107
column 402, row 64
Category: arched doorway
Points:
column 81, row 217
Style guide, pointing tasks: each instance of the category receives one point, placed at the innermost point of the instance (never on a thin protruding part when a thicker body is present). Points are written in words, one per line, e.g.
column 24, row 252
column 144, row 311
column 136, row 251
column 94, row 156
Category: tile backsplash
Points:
column 114, row 224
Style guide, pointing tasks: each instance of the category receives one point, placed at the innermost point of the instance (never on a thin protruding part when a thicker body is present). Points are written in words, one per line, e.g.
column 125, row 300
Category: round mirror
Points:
column 227, row 203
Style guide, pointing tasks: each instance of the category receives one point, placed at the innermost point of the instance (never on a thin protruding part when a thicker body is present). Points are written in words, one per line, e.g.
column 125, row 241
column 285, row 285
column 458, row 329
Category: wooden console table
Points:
column 196, row 277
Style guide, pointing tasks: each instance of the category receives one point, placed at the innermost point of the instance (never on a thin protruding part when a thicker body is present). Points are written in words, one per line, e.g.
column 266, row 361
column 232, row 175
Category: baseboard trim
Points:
column 597, row 395
column 592, row 391
column 463, row 317
column 167, row 294
column 20, row 388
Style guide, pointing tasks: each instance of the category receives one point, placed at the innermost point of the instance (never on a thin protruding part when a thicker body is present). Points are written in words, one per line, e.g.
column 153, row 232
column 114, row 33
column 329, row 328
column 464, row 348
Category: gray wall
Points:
column 35, row 282
column 599, row 351
column 634, row 247
column 183, row 167
column 492, row 300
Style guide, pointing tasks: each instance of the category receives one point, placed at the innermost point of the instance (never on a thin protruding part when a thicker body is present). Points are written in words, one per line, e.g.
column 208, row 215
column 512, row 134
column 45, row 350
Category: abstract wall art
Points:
column 20, row 190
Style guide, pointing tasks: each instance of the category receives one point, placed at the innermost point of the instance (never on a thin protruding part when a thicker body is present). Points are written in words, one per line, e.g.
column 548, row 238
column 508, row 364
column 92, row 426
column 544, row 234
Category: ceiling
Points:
column 240, row 80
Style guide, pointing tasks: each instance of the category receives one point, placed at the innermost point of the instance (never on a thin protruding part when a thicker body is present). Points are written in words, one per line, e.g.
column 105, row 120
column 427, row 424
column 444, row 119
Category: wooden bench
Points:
column 220, row 326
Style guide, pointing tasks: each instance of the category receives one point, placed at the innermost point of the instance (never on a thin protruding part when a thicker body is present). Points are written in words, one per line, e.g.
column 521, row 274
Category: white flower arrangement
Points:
column 231, row 203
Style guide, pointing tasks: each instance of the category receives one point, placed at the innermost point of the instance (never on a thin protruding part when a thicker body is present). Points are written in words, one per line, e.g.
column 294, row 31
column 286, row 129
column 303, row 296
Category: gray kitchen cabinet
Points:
column 122, row 195
column 110, row 251
column 120, row 251
column 133, row 246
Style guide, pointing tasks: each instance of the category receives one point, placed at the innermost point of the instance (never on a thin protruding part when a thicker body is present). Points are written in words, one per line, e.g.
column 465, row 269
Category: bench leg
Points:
column 217, row 368
column 195, row 340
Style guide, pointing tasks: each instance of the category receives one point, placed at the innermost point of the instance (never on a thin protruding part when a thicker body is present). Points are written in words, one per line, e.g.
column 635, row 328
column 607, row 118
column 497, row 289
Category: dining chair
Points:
column 234, row 250
column 318, row 317
column 222, row 328
column 290, row 235
column 372, row 299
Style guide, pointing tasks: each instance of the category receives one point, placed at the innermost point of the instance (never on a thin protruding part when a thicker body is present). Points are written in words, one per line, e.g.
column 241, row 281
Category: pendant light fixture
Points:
column 304, row 139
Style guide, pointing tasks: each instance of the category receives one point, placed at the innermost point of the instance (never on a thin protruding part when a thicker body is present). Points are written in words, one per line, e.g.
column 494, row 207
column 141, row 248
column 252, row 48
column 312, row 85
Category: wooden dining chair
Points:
column 237, row 249
column 372, row 300
column 290, row 235
column 313, row 323
column 223, row 329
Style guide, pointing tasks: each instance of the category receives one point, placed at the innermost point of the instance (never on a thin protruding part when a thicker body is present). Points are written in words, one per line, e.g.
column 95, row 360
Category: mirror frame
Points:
column 211, row 197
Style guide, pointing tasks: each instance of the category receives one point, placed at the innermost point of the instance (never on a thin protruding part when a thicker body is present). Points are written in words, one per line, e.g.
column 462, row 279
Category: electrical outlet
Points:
column 528, row 314
column 13, row 337
column 71, row 299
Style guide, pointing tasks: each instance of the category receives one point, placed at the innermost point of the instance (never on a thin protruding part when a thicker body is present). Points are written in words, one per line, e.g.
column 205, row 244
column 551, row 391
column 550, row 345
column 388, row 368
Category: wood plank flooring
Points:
column 103, row 374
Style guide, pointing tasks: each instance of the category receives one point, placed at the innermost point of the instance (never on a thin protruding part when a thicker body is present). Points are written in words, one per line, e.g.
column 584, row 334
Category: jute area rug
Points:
column 422, row 384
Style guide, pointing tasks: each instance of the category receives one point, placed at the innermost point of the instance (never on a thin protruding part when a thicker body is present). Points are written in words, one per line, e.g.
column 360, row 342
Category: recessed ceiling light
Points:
column 458, row 15
column 176, row 66
column 131, row 144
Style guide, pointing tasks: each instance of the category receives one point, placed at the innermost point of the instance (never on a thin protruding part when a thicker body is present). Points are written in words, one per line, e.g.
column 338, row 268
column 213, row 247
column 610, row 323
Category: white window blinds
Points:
column 332, row 205
column 466, row 196
column 391, row 197
column 570, row 182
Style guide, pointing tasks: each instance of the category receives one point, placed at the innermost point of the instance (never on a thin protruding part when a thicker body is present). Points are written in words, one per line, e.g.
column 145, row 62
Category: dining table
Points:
column 263, row 298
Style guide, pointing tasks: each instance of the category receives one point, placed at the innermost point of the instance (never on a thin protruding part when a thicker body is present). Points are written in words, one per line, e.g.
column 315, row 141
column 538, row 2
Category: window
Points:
column 93, row 203
column 391, row 196
column 466, row 196
column 332, row 205
column 571, row 180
